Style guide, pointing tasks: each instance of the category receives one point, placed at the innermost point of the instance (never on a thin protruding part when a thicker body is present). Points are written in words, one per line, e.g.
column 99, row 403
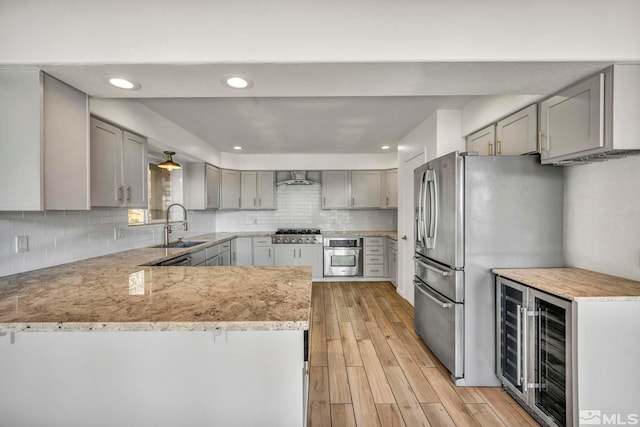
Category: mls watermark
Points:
column 610, row 418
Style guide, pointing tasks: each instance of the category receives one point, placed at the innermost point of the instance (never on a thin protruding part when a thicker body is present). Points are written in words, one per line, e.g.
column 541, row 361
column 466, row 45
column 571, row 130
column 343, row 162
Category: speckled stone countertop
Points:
column 118, row 293
column 392, row 234
column 575, row 284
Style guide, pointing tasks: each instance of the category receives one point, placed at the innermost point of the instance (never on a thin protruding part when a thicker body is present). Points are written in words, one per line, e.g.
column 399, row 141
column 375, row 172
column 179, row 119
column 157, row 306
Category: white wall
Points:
column 299, row 207
column 287, row 31
column 602, row 217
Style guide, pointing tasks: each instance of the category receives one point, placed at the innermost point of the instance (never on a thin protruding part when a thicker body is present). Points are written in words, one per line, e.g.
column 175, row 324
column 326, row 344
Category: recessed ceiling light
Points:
column 122, row 83
column 237, row 82
column 237, row 147
column 385, row 147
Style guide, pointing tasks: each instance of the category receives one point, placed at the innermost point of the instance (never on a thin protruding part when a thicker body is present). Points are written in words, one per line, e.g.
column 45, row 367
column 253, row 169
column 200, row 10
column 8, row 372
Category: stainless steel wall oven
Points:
column 343, row 256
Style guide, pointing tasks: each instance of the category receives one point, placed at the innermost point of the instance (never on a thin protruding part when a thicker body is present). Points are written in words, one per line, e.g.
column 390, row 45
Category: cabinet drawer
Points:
column 392, row 244
column 373, row 259
column 373, row 270
column 374, row 241
column 262, row 241
column 374, row 250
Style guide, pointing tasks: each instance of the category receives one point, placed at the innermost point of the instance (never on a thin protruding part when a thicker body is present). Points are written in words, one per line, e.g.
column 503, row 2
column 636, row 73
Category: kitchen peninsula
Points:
column 110, row 341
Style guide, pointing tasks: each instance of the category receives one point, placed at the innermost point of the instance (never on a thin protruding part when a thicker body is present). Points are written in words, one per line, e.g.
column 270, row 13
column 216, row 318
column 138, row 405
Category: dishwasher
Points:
column 180, row 260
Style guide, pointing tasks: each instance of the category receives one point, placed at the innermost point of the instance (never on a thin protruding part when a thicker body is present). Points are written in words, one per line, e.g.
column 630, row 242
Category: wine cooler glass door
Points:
column 553, row 357
column 511, row 335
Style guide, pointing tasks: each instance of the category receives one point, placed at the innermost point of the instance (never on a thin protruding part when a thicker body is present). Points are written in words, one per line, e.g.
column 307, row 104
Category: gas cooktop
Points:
column 311, row 236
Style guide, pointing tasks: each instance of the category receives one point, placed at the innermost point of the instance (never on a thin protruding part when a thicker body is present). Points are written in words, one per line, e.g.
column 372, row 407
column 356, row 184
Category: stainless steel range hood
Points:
column 297, row 178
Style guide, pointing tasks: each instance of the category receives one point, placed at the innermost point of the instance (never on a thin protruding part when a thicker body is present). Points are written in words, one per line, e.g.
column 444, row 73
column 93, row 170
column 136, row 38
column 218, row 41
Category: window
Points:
column 161, row 186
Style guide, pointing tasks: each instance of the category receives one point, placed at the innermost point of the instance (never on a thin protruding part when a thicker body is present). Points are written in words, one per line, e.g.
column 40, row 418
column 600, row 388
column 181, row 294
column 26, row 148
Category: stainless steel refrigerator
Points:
column 475, row 213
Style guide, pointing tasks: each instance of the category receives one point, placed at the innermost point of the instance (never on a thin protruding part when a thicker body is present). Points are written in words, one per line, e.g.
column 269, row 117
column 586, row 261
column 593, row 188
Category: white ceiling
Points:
column 316, row 108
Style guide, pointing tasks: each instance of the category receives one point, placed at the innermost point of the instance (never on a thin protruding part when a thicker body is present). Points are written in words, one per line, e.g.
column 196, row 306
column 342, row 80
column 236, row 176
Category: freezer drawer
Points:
column 444, row 280
column 439, row 322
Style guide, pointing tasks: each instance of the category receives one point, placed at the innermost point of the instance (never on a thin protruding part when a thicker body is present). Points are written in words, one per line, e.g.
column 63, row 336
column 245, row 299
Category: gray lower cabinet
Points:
column 392, row 260
column 263, row 251
column 299, row 255
column 242, row 251
column 375, row 261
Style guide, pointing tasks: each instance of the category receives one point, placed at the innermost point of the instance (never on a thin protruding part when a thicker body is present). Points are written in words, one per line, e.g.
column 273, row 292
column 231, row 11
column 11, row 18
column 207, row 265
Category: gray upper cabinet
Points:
column 365, row 189
column 594, row 118
column 389, row 195
column 201, row 186
column 258, row 190
column 118, row 167
column 517, row 134
column 335, row 189
column 44, row 129
column 572, row 121
column 483, row 141
column 229, row 189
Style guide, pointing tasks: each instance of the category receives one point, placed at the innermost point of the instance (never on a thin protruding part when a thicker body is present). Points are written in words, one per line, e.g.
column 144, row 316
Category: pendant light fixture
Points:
column 169, row 164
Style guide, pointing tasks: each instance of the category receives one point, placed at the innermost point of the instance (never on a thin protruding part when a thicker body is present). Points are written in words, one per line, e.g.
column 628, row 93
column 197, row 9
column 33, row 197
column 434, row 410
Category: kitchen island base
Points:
column 153, row 378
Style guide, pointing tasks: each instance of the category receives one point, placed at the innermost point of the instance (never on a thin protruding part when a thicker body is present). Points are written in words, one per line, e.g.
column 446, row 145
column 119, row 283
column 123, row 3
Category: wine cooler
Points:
column 534, row 351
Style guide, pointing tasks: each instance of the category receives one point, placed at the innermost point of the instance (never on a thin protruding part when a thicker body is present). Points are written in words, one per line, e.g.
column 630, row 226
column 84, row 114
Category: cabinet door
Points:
column 482, row 141
column 389, row 199
column 286, row 255
column 135, row 171
column 106, row 163
column 517, row 134
column 224, row 258
column 243, row 251
column 212, row 179
column 572, row 120
column 335, row 189
column 365, row 189
column 262, row 255
column 311, row 255
column 249, row 190
column 229, row 189
column 266, row 190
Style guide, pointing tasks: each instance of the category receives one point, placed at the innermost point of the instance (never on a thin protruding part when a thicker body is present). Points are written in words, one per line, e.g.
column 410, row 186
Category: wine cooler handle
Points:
column 519, row 345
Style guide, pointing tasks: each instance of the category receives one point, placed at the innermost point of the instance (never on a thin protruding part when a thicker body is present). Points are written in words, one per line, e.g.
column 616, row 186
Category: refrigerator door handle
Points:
column 429, row 294
column 432, row 268
column 420, row 225
column 433, row 208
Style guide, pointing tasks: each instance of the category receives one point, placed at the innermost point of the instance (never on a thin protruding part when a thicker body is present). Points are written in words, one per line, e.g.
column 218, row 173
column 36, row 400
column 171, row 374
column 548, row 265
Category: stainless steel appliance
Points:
column 297, row 236
column 475, row 213
column 534, row 344
column 343, row 256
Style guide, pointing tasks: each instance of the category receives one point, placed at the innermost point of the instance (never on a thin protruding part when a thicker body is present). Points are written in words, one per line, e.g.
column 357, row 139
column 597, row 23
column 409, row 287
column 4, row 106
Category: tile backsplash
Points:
column 299, row 207
column 58, row 237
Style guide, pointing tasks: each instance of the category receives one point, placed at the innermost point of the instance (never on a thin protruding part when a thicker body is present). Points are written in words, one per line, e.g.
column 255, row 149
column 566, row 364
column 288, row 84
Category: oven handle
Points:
column 429, row 294
column 432, row 268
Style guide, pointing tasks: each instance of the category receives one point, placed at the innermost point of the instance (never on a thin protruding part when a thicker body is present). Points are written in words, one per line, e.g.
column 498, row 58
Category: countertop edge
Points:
column 164, row 326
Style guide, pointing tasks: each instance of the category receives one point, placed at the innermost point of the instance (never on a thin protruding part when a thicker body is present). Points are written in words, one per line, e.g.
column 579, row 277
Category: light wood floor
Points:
column 367, row 367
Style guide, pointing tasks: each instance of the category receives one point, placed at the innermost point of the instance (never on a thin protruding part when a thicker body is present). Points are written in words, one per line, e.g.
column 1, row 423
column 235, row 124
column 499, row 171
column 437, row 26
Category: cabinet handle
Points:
column 239, row 203
column 498, row 148
column 387, row 201
column 269, row 252
column 519, row 345
column 490, row 148
column 120, row 193
column 128, row 193
column 254, row 202
column 300, row 253
column 260, row 201
column 294, row 252
column 353, row 201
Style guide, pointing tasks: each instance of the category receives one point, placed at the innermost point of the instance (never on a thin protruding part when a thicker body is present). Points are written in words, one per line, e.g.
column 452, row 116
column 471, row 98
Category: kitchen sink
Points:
column 180, row 244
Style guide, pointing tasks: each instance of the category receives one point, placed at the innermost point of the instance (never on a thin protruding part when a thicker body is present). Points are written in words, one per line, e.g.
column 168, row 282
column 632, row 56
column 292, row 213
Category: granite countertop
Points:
column 391, row 234
column 118, row 293
column 575, row 284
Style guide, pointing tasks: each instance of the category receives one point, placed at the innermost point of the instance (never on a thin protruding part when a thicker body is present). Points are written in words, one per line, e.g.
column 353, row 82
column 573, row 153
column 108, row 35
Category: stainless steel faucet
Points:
column 167, row 227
